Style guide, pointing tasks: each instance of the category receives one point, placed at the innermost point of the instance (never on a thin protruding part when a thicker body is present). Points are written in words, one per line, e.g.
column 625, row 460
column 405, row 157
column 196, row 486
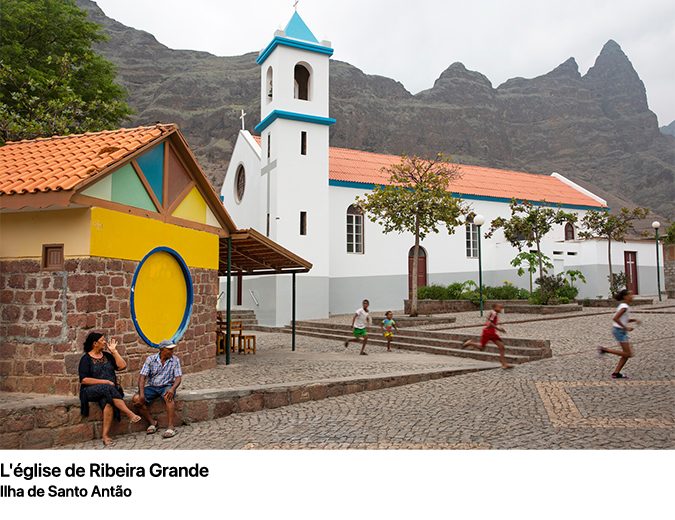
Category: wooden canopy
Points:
column 255, row 254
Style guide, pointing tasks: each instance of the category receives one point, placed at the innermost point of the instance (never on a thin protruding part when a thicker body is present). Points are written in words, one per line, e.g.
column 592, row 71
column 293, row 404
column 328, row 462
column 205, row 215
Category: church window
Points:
column 301, row 85
column 303, row 143
column 52, row 257
column 240, row 183
column 569, row 231
column 270, row 84
column 471, row 240
column 354, row 230
column 269, row 144
column 303, row 222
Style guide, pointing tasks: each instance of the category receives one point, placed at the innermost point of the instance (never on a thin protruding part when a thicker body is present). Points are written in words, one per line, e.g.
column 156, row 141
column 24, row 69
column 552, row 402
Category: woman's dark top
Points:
column 103, row 368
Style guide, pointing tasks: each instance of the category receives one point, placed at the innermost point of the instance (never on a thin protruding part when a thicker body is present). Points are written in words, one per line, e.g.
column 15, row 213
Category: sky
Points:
column 413, row 42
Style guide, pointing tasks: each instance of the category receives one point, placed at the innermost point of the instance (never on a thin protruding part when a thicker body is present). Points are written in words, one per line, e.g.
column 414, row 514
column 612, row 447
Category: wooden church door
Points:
column 421, row 268
column 630, row 265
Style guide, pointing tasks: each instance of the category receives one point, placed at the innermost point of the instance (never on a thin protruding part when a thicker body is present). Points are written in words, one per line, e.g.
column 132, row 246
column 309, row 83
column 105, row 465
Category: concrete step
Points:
column 434, row 342
column 403, row 344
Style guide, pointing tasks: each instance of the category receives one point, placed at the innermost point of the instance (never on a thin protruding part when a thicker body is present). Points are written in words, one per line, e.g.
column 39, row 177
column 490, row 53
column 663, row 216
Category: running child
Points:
column 489, row 334
column 388, row 324
column 620, row 330
column 359, row 323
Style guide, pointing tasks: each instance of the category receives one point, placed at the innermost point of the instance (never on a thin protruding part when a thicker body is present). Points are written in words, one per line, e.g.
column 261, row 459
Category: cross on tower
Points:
column 295, row 5
column 243, row 114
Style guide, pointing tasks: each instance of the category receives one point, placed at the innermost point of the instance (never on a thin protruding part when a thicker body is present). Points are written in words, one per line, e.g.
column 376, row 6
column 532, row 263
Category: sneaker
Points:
column 601, row 352
column 618, row 375
column 363, row 354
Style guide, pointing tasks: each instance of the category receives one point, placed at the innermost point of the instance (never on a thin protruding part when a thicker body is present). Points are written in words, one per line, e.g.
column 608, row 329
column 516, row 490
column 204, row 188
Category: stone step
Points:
column 427, row 338
column 428, row 349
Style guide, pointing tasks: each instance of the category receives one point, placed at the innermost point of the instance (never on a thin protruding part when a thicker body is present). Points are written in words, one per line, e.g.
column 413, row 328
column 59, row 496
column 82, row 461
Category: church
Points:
column 291, row 186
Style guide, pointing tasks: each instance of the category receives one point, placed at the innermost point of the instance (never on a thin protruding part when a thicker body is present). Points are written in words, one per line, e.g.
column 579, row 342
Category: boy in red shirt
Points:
column 489, row 333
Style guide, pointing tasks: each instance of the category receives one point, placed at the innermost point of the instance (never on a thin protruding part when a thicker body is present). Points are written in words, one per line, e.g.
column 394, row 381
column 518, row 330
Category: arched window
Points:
column 240, row 183
column 301, row 87
column 354, row 230
column 270, row 84
column 569, row 231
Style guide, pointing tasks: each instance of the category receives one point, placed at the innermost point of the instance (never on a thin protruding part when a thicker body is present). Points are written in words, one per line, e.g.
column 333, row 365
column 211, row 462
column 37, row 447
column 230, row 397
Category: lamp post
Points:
column 656, row 225
column 479, row 220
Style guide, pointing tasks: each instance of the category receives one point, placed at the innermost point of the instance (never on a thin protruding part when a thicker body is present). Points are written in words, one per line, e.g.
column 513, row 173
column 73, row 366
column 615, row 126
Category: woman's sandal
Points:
column 169, row 433
column 108, row 442
column 151, row 429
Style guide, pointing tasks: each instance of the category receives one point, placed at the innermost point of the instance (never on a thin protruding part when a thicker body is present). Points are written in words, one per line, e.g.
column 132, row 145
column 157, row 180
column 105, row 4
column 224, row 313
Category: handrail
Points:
column 254, row 298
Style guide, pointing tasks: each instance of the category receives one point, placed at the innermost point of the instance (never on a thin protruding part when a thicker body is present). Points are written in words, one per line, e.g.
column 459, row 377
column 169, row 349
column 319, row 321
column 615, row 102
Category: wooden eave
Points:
column 254, row 254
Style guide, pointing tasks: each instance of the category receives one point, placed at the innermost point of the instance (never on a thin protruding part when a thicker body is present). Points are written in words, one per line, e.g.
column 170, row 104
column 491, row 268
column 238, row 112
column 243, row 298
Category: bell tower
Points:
column 294, row 128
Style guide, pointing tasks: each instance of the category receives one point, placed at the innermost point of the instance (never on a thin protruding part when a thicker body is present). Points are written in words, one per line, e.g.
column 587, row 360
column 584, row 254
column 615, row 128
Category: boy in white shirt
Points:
column 359, row 323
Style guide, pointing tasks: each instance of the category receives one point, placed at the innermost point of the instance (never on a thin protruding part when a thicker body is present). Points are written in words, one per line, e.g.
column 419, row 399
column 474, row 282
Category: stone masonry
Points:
column 669, row 269
column 45, row 317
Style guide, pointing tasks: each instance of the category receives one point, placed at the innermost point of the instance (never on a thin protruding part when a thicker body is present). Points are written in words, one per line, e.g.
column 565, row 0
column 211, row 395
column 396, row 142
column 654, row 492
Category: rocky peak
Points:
column 460, row 86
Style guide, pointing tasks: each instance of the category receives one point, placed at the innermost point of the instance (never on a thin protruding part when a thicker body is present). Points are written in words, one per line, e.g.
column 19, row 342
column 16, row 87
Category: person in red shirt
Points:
column 489, row 333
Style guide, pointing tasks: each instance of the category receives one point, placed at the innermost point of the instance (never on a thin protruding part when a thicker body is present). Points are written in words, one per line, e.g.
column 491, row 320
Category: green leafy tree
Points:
column 528, row 224
column 531, row 262
column 416, row 200
column 669, row 236
column 52, row 82
column 602, row 225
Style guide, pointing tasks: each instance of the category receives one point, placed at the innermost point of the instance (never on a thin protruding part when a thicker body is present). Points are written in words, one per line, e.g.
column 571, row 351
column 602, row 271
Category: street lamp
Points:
column 656, row 225
column 479, row 220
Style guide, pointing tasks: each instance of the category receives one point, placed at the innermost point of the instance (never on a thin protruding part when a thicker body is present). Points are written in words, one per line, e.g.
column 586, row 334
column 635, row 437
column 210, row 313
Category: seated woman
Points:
column 98, row 382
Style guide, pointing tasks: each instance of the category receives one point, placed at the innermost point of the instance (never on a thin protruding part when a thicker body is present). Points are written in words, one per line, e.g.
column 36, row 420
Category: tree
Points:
column 51, row 79
column 600, row 224
column 528, row 225
column 669, row 236
column 532, row 261
column 416, row 200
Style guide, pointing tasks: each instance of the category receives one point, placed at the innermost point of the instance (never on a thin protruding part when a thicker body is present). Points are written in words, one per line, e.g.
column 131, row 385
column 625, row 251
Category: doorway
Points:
column 630, row 266
column 421, row 269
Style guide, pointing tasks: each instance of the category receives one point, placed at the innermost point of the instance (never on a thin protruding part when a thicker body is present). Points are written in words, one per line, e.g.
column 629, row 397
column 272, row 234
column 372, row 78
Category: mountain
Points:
column 595, row 129
column 669, row 129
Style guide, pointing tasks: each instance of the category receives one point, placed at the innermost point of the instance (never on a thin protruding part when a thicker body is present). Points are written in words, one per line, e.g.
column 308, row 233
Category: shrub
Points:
column 507, row 291
column 455, row 290
column 586, row 302
column 563, row 299
column 549, row 285
column 620, row 282
column 536, row 298
column 523, row 294
column 433, row 292
column 568, row 291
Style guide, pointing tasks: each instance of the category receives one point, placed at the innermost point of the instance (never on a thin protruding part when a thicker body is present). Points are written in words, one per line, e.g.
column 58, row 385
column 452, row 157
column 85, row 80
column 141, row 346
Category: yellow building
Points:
column 118, row 232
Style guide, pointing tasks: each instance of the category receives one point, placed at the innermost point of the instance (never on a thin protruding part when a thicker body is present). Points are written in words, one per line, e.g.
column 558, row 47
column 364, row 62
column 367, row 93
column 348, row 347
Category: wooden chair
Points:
column 248, row 344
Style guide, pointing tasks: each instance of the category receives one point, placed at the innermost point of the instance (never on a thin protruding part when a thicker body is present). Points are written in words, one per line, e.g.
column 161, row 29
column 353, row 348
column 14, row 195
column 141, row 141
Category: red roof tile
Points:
column 63, row 162
column 364, row 167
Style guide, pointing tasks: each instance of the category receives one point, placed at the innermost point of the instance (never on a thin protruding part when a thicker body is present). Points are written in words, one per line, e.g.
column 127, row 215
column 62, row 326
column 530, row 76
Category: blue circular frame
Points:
column 188, row 304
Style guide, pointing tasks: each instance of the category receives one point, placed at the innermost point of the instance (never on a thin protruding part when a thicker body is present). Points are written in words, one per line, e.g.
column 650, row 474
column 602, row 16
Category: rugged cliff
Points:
column 596, row 129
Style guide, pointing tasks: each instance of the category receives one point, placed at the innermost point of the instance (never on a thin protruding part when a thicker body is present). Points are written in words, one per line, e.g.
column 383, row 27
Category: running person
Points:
column 620, row 330
column 359, row 323
column 489, row 334
column 388, row 325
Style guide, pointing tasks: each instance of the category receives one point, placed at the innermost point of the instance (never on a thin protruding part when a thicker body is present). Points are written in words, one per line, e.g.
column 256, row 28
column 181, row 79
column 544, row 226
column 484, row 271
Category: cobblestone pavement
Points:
column 566, row 402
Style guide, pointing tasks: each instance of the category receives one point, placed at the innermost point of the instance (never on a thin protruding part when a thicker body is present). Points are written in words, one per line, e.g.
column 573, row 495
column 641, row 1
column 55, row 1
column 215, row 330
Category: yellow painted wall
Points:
column 23, row 234
column 128, row 237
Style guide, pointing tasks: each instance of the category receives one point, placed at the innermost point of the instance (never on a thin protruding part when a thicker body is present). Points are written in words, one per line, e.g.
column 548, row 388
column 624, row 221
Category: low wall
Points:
column 55, row 422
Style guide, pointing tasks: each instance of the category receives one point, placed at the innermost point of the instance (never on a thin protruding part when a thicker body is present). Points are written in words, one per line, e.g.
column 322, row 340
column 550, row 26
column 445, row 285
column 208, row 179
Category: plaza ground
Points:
column 568, row 401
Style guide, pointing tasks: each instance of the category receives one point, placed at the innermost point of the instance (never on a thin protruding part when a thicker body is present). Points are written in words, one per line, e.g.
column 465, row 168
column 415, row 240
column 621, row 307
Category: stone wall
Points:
column 669, row 269
column 45, row 317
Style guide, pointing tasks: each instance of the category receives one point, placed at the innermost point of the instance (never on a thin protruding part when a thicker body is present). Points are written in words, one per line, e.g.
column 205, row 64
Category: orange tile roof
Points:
column 63, row 162
column 364, row 167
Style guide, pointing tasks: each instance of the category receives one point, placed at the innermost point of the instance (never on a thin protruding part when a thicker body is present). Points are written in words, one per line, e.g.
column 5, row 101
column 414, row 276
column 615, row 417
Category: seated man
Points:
column 163, row 374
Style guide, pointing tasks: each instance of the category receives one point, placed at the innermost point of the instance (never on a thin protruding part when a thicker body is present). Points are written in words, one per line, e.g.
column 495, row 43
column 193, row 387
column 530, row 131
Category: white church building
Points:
column 289, row 185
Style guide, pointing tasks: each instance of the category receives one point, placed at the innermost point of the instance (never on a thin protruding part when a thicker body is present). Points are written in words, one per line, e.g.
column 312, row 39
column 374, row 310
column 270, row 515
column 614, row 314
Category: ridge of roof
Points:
column 297, row 29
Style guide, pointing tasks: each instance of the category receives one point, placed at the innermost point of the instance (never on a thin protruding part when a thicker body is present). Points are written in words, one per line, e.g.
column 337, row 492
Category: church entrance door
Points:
column 421, row 269
column 630, row 265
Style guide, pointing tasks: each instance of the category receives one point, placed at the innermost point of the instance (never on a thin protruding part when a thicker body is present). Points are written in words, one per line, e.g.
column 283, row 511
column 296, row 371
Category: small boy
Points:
column 359, row 323
column 387, row 325
column 489, row 334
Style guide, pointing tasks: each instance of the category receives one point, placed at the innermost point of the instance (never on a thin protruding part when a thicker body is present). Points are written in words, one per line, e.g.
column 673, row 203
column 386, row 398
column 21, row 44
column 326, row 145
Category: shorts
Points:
column 388, row 334
column 153, row 392
column 360, row 332
column 488, row 335
column 621, row 335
